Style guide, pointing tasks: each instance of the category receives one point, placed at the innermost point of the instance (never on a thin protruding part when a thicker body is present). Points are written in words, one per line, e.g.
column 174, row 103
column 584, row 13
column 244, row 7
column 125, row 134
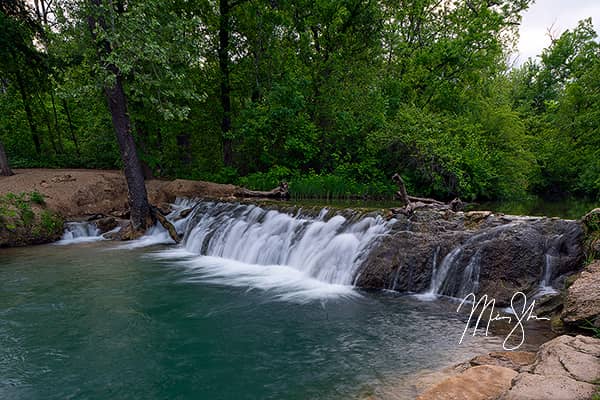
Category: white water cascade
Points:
column 78, row 232
column 447, row 274
column 329, row 250
column 551, row 258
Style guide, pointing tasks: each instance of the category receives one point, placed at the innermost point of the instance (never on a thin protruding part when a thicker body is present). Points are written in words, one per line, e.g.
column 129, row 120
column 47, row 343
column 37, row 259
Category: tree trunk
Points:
column 138, row 197
column 141, row 216
column 224, row 9
column 71, row 128
column 33, row 128
column 4, row 167
column 56, row 124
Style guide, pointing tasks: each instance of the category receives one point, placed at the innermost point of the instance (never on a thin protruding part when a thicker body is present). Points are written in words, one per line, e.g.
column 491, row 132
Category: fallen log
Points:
column 280, row 192
column 157, row 215
column 425, row 200
column 412, row 203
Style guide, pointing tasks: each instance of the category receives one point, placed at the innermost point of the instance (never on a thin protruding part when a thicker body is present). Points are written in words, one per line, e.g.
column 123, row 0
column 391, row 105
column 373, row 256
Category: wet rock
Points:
column 482, row 382
column 582, row 304
column 473, row 252
column 106, row 224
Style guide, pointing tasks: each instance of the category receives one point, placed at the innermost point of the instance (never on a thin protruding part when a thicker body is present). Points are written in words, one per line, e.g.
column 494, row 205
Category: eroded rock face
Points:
column 473, row 252
column 566, row 368
column 582, row 303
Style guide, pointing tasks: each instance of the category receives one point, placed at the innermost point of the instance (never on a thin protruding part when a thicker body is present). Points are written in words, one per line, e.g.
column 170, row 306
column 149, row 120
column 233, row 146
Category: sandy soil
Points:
column 81, row 192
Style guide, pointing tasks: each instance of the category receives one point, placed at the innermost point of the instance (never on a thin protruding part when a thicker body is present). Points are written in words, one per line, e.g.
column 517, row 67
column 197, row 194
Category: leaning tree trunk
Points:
column 4, row 167
column 141, row 215
column 138, row 197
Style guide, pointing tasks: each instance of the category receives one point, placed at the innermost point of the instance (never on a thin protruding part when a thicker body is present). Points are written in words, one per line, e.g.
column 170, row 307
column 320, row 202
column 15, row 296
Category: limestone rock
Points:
column 537, row 387
column 566, row 368
column 583, row 298
column 484, row 382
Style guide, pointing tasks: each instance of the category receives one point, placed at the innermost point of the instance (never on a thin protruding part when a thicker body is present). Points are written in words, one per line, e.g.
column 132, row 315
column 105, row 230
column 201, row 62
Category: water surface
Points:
column 99, row 321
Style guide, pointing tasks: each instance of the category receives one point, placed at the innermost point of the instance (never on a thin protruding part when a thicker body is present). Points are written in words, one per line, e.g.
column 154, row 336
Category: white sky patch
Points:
column 557, row 15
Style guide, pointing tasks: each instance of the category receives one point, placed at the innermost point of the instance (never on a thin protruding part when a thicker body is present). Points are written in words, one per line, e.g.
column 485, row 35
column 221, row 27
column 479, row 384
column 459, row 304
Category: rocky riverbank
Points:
column 565, row 368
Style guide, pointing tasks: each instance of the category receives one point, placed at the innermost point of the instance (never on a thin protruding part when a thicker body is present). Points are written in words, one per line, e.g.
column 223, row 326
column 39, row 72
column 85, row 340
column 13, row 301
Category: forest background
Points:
column 332, row 96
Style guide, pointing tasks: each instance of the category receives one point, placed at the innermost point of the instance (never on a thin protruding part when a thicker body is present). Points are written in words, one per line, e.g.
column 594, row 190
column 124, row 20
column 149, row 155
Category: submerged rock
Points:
column 458, row 253
column 477, row 383
column 510, row 359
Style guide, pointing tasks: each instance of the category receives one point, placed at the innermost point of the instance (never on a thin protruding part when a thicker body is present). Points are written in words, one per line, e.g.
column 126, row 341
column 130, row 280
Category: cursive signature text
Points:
column 520, row 315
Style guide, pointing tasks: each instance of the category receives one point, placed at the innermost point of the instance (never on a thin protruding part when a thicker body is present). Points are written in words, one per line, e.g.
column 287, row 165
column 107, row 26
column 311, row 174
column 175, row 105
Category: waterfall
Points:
column 327, row 249
column 77, row 232
column 447, row 278
column 551, row 259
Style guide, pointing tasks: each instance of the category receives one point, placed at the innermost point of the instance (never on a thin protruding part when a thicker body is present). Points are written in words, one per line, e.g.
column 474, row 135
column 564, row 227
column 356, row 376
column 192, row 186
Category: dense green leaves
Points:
column 333, row 96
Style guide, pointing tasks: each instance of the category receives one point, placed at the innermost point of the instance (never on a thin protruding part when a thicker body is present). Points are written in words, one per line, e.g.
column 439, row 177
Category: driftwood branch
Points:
column 402, row 194
column 411, row 203
column 156, row 214
column 280, row 192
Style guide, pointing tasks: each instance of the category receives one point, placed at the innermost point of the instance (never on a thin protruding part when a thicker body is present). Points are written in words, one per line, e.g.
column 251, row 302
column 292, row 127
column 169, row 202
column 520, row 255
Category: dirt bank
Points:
column 79, row 192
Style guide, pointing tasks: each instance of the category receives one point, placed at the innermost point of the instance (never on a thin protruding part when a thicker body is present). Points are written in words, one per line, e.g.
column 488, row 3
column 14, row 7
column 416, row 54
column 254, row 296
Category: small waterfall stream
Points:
column 447, row 279
column 77, row 232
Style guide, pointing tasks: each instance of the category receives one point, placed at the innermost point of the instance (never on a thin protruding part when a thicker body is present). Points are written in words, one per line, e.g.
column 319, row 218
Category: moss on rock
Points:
column 25, row 220
column 591, row 224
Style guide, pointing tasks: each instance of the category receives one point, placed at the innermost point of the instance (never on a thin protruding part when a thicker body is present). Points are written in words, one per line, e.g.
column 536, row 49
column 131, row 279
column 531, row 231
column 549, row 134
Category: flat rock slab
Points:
column 566, row 368
column 484, row 382
column 536, row 387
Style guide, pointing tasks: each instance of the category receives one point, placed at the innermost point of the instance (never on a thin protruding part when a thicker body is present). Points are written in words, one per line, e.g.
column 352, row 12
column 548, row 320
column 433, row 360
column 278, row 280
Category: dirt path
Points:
column 80, row 192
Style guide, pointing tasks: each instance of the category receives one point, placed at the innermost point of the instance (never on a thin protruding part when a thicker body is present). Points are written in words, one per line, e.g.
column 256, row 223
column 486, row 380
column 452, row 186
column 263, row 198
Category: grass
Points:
column 318, row 186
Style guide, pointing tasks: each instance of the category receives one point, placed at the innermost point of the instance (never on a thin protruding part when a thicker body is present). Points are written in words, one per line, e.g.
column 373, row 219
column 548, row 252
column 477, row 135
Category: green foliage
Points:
column 51, row 223
column 266, row 180
column 37, row 198
column 589, row 326
column 23, row 221
column 332, row 96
